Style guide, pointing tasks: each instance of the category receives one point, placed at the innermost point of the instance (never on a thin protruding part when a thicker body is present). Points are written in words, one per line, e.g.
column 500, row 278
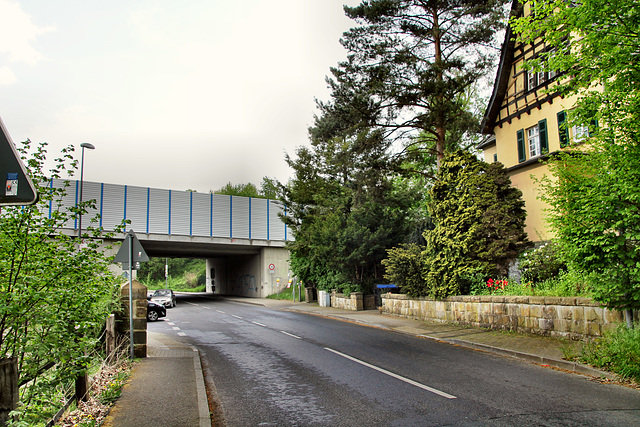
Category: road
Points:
column 278, row 368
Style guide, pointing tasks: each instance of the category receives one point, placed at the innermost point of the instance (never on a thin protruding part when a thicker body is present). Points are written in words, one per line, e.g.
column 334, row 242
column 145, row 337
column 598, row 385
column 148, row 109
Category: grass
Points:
column 567, row 284
column 617, row 351
column 286, row 294
column 177, row 284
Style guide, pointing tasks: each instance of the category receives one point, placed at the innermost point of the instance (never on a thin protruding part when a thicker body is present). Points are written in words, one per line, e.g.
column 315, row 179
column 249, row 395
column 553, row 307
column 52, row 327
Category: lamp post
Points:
column 90, row 147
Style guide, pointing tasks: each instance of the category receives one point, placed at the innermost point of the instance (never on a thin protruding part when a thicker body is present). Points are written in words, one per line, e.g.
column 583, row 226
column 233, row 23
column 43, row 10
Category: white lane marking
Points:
column 175, row 328
column 220, row 311
column 291, row 335
column 259, row 324
column 237, row 317
column 182, row 334
column 171, row 323
column 192, row 303
column 391, row 374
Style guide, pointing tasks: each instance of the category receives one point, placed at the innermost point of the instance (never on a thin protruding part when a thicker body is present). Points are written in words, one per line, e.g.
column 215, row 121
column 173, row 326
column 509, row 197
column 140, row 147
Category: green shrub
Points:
column 541, row 263
column 617, row 351
column 404, row 267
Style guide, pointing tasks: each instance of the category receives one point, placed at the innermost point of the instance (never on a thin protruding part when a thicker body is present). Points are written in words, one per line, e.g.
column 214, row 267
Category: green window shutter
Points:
column 563, row 132
column 544, row 141
column 522, row 153
column 594, row 127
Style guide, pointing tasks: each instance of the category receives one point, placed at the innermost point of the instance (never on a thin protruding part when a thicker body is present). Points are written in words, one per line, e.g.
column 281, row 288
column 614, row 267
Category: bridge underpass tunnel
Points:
column 249, row 275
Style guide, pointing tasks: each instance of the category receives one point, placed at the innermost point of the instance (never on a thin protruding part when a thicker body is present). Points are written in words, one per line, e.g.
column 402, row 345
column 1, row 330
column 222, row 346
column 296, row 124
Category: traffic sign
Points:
column 137, row 255
column 18, row 188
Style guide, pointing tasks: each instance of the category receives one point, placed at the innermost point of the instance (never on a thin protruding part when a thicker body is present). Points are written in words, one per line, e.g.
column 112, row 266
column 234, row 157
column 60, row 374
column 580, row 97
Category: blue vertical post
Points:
column 125, row 202
column 169, row 212
column 101, row 201
column 148, row 206
column 75, row 221
column 231, row 217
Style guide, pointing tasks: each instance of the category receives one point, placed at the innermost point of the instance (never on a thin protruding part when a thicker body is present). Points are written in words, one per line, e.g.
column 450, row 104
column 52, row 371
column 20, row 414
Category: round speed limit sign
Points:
column 272, row 268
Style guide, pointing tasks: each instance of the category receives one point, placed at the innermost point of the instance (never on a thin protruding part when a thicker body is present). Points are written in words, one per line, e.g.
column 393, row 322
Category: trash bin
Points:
column 382, row 288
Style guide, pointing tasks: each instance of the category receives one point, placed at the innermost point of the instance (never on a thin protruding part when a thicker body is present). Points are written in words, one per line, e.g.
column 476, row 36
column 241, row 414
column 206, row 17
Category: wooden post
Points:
column 110, row 339
column 8, row 388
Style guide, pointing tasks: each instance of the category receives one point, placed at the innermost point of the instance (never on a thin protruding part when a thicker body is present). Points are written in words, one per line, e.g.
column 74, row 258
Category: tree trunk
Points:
column 628, row 315
column 8, row 388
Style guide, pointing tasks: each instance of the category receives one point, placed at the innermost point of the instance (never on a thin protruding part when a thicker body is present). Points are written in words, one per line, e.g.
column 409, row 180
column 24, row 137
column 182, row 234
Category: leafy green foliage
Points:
column 617, row 351
column 404, row 268
column 184, row 273
column 595, row 197
column 268, row 189
column 541, row 263
column 479, row 221
column 479, row 228
column 344, row 210
column 54, row 297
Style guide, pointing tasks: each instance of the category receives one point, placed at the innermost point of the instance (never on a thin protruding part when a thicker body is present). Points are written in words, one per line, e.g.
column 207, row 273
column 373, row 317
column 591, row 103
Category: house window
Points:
column 532, row 79
column 533, row 141
column 536, row 78
column 495, row 158
column 580, row 132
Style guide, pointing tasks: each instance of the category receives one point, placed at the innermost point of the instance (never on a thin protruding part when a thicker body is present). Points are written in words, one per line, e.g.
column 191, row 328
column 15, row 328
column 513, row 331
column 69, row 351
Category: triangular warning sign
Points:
column 18, row 188
column 131, row 243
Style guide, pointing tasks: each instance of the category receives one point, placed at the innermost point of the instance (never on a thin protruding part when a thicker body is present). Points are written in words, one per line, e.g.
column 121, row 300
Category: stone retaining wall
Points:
column 574, row 318
column 356, row 301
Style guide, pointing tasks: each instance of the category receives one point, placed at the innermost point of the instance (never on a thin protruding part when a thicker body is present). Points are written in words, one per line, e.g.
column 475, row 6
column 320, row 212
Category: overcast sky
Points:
column 173, row 94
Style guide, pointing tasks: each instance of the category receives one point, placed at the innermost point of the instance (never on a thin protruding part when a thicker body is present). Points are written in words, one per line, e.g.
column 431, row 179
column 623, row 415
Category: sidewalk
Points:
column 167, row 388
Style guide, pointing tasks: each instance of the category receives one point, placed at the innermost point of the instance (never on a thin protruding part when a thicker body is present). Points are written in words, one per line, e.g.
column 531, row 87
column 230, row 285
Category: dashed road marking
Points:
column 391, row 374
column 259, row 324
column 291, row 335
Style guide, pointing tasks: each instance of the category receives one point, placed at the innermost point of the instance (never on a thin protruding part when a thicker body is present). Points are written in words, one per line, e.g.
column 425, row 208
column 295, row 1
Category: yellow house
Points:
column 524, row 124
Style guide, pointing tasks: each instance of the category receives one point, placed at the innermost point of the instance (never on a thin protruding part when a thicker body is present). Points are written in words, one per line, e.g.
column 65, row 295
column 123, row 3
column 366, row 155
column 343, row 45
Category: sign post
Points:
column 131, row 253
column 18, row 188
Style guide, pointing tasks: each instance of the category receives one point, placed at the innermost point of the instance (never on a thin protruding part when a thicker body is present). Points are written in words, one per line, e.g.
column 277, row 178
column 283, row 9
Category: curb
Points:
column 566, row 365
column 203, row 404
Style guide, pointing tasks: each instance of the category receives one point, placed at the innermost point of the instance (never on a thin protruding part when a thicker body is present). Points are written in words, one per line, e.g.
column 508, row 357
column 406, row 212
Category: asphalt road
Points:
column 278, row 368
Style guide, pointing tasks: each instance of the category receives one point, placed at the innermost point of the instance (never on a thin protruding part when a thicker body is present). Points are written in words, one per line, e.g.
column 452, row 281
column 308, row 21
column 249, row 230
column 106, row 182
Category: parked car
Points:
column 155, row 311
column 165, row 297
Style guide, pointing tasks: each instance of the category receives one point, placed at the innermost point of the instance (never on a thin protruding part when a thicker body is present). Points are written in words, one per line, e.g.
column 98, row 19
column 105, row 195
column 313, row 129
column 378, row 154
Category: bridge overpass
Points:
column 242, row 239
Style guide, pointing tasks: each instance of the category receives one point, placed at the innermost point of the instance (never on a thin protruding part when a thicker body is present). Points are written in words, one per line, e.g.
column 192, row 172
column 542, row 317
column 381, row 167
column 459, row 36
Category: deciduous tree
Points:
column 595, row 197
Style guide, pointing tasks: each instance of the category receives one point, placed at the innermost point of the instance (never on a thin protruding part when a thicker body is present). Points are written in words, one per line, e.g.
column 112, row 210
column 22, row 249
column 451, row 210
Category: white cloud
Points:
column 17, row 33
column 7, row 77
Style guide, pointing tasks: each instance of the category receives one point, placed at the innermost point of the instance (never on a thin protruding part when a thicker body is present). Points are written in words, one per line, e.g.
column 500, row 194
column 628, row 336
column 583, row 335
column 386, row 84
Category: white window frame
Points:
column 580, row 132
column 532, row 79
column 533, row 141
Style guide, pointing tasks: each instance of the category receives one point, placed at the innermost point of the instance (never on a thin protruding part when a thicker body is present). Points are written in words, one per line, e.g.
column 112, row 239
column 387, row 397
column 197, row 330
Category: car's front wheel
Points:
column 152, row 316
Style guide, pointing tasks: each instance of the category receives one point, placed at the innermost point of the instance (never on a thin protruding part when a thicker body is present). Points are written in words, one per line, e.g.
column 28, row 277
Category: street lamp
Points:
column 90, row 147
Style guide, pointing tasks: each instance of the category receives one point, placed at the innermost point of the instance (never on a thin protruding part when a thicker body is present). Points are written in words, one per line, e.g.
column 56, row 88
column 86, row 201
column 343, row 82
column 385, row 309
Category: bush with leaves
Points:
column 404, row 267
column 479, row 226
column 54, row 297
column 541, row 263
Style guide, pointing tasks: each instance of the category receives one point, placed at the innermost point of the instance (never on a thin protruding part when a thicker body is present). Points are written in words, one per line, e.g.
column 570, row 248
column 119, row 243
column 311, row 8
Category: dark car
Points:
column 165, row 297
column 155, row 311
